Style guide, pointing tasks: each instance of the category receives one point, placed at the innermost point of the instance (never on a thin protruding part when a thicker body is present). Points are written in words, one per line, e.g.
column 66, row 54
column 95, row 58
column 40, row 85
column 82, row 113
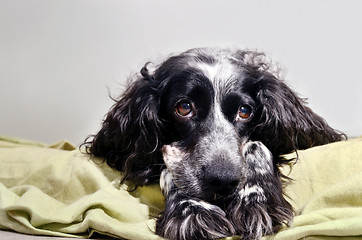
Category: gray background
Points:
column 59, row 58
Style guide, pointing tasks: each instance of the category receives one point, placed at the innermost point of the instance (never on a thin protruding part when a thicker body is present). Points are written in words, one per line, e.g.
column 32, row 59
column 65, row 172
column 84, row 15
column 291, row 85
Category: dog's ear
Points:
column 130, row 136
column 282, row 120
column 286, row 120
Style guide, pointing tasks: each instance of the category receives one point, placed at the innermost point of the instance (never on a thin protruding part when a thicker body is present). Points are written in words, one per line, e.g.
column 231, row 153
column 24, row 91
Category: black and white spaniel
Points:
column 210, row 125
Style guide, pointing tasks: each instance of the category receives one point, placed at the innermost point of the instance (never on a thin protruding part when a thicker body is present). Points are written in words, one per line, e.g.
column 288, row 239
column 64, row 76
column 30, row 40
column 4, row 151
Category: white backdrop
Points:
column 57, row 58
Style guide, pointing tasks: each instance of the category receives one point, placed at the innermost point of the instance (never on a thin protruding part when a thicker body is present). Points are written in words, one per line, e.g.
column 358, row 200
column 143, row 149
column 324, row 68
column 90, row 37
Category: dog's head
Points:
column 206, row 102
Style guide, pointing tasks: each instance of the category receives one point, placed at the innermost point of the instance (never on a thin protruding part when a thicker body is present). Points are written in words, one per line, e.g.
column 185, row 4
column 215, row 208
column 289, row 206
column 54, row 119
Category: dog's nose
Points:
column 220, row 179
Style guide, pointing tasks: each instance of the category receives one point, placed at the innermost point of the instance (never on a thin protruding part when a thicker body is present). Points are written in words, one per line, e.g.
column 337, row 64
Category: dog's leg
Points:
column 259, row 207
column 188, row 218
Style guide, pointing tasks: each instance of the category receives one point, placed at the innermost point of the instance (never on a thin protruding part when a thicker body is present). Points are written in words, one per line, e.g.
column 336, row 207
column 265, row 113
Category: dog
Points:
column 210, row 125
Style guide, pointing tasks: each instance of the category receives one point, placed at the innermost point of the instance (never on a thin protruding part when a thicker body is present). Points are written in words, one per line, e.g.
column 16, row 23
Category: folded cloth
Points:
column 326, row 192
column 47, row 190
column 58, row 190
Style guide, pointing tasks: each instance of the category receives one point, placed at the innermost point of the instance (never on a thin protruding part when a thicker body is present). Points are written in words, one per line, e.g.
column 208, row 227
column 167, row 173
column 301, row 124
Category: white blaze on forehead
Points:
column 221, row 73
column 171, row 155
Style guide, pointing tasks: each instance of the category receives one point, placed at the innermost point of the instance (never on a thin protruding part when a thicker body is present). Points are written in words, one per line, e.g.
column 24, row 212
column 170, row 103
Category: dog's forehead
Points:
column 219, row 72
column 222, row 72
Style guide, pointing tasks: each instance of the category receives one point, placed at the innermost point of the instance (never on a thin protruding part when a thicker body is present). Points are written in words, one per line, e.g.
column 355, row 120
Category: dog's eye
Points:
column 184, row 109
column 244, row 112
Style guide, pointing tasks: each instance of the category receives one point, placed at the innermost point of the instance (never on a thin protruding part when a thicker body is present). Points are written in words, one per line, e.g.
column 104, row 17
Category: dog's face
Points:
column 208, row 101
column 208, row 112
column 212, row 124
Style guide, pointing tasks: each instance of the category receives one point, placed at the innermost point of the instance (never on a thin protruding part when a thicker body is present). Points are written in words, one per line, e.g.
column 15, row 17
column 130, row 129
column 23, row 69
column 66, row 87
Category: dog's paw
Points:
column 253, row 220
column 259, row 208
column 249, row 213
column 194, row 219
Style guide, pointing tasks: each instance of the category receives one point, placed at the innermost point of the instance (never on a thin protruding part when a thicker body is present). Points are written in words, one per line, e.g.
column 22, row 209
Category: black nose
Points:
column 222, row 179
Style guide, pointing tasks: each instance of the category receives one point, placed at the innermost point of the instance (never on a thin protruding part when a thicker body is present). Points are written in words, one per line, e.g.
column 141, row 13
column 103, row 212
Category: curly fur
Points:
column 219, row 172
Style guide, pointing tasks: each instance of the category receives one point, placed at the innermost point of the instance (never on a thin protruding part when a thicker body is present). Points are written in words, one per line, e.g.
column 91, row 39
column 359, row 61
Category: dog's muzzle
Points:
column 217, row 173
column 222, row 177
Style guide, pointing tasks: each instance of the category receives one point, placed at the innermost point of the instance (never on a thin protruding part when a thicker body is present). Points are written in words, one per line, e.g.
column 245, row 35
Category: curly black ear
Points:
column 130, row 136
column 287, row 123
column 282, row 122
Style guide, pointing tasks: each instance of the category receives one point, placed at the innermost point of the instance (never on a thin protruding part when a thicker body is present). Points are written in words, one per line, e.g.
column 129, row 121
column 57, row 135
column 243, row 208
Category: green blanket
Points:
column 57, row 190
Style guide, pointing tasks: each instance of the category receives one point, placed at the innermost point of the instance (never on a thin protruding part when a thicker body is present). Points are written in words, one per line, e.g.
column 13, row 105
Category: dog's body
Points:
column 212, row 125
